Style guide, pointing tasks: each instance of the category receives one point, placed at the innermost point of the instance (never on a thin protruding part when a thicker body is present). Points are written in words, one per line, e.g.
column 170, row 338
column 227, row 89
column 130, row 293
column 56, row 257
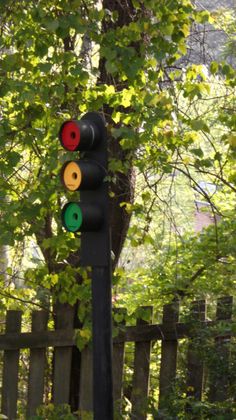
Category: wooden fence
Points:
column 193, row 332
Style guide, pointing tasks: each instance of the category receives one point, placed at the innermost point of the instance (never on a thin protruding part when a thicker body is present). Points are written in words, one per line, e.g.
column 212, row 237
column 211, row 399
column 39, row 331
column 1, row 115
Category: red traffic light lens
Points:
column 70, row 135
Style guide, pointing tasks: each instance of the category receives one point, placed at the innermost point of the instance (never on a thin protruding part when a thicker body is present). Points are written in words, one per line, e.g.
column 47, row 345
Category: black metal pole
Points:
column 102, row 344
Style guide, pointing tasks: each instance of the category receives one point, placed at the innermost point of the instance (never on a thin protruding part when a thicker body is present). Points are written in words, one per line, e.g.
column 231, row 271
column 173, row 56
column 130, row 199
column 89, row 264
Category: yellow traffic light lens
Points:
column 72, row 176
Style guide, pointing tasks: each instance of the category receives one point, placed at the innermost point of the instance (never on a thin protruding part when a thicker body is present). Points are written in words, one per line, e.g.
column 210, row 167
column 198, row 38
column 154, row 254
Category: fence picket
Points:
column 11, row 368
column 86, row 381
column 168, row 353
column 37, row 365
column 219, row 375
column 195, row 365
column 118, row 361
column 62, row 357
column 140, row 385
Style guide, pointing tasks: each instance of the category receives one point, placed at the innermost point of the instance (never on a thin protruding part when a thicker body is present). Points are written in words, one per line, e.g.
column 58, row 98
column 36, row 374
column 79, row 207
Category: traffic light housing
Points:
column 87, row 175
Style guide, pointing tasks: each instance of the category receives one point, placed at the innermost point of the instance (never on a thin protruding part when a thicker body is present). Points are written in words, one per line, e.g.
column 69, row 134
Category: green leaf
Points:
column 13, row 158
column 218, row 156
column 167, row 29
column 226, row 69
column 232, row 140
column 199, row 125
column 51, row 24
column 11, row 62
column 45, row 67
column 214, row 67
column 197, row 152
column 111, row 67
column 203, row 16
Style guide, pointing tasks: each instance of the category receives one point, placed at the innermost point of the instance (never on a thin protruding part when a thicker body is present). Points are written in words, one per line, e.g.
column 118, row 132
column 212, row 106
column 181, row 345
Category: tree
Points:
column 60, row 59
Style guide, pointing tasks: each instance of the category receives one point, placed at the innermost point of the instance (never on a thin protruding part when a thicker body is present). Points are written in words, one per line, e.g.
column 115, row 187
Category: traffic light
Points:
column 87, row 174
column 90, row 216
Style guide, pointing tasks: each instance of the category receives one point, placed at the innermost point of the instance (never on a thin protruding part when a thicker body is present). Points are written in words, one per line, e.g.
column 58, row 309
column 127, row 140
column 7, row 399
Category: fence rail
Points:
column 143, row 335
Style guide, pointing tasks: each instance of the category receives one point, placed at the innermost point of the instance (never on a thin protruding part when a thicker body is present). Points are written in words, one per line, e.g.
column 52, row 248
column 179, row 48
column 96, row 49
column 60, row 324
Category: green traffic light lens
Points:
column 72, row 217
